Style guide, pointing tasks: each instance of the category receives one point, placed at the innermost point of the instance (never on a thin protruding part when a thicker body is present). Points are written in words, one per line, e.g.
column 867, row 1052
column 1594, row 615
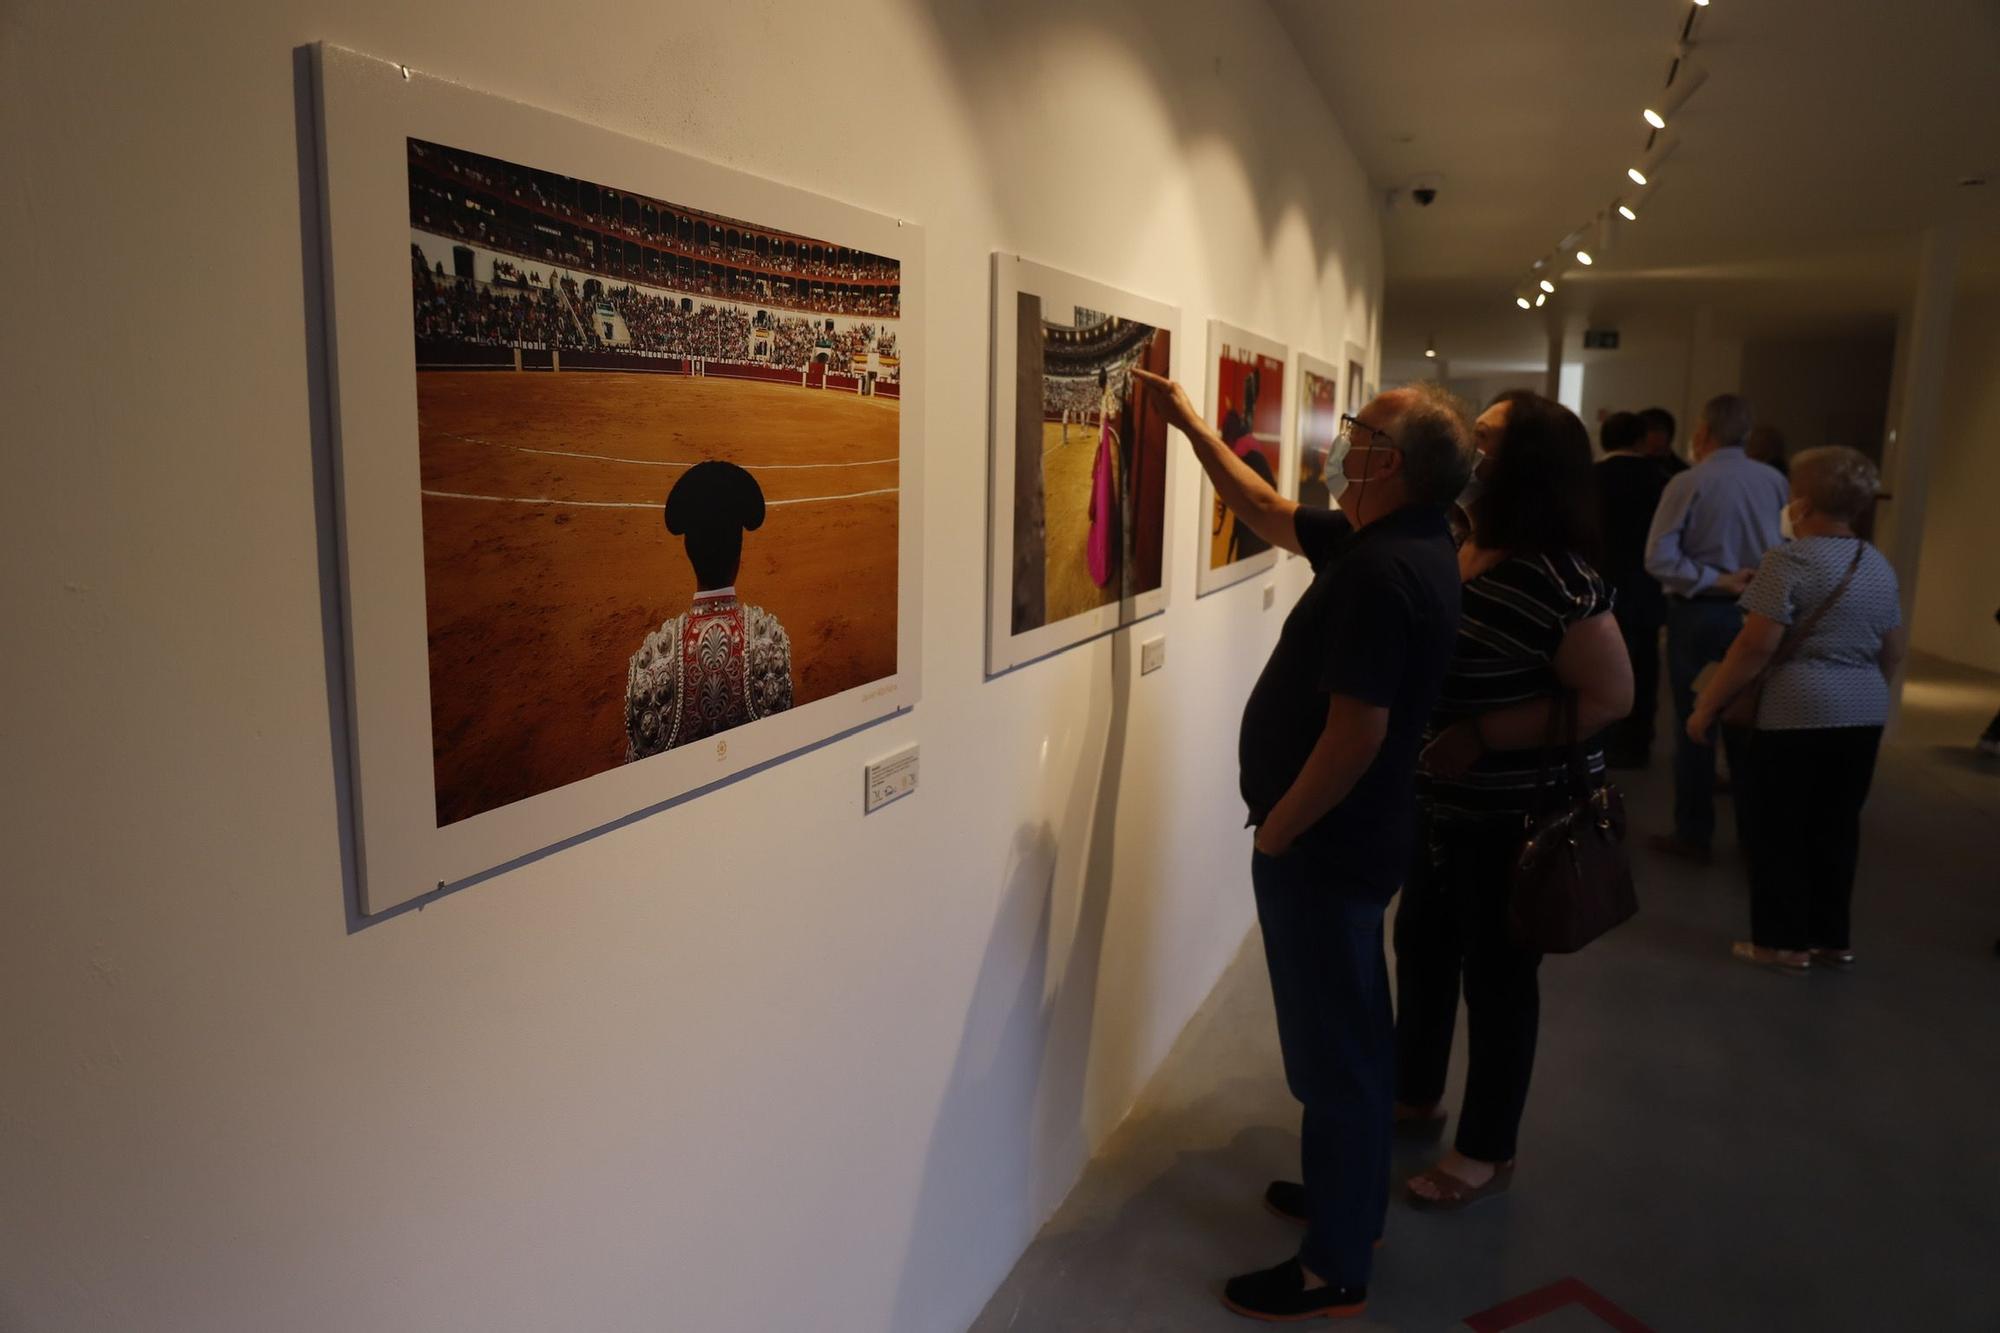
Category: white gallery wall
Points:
column 1958, row 585
column 754, row 1062
column 1666, row 357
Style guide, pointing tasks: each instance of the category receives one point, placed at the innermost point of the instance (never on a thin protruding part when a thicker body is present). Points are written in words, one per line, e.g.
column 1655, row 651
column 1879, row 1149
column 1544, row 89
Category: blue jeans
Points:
column 1699, row 631
column 1331, row 984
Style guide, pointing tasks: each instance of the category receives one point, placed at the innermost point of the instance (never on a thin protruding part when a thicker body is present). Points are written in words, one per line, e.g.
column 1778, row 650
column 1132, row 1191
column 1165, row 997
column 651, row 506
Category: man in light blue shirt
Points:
column 1714, row 523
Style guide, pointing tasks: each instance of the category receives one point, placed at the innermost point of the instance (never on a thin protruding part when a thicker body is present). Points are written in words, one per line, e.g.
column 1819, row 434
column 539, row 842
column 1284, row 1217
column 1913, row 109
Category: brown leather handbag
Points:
column 1572, row 880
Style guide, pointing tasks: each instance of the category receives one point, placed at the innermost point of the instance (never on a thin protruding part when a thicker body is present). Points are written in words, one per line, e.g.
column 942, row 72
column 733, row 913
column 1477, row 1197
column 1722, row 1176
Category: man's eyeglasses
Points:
column 1359, row 434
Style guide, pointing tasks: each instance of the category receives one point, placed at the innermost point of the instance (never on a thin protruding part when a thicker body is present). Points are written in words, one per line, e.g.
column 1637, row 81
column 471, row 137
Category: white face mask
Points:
column 1474, row 483
column 1334, row 471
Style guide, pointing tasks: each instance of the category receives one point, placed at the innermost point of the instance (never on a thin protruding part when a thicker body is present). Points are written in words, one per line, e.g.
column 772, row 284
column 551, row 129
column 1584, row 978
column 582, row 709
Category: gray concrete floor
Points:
column 1711, row 1146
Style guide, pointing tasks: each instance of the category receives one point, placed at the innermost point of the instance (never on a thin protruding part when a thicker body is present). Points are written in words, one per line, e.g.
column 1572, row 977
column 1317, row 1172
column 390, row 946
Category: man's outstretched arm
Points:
column 1251, row 498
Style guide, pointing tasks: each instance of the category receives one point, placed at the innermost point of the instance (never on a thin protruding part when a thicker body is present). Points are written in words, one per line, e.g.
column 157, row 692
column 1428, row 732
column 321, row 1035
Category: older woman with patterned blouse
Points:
column 1820, row 713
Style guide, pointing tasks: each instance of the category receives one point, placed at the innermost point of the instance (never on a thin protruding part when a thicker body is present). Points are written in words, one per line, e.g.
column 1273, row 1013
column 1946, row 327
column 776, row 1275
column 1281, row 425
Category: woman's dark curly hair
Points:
column 1537, row 495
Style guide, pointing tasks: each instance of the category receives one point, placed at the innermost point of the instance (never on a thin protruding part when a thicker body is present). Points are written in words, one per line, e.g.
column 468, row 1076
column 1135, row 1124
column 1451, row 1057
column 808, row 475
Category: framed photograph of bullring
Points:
column 1246, row 402
column 1078, row 533
column 627, row 463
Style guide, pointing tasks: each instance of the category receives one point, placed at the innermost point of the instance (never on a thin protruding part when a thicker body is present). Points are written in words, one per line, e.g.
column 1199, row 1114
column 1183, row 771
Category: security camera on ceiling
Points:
column 1421, row 191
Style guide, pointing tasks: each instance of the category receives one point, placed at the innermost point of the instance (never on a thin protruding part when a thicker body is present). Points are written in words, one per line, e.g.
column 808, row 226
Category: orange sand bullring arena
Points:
column 546, row 560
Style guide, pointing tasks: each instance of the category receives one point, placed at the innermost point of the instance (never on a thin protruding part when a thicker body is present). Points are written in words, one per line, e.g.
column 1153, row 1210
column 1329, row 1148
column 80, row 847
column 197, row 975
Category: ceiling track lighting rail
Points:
column 1591, row 242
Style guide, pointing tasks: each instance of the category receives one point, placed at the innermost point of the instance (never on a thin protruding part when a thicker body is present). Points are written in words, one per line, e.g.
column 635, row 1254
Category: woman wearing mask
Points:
column 1822, row 638
column 1536, row 627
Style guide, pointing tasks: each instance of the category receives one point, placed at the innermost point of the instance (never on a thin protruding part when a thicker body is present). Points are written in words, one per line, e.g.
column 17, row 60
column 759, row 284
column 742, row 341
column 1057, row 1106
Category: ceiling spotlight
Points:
column 1547, row 286
column 1633, row 202
column 1661, row 150
column 1541, row 300
column 1523, row 302
column 1583, row 258
column 1431, row 347
column 1688, row 77
column 1701, row 4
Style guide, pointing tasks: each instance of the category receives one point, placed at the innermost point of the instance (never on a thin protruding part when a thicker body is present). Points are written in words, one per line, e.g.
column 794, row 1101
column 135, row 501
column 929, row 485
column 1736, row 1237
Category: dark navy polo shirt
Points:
column 1378, row 624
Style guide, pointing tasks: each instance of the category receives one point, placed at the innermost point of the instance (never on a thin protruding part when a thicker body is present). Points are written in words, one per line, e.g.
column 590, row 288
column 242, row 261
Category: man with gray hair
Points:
column 1327, row 762
column 1714, row 523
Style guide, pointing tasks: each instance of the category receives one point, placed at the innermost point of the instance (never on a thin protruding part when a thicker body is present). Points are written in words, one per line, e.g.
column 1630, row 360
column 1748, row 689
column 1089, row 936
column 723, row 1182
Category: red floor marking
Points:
column 1555, row 1296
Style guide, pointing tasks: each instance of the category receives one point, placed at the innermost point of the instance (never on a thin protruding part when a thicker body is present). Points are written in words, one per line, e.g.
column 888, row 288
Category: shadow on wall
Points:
column 1013, row 1109
column 1161, row 149
column 1114, row 75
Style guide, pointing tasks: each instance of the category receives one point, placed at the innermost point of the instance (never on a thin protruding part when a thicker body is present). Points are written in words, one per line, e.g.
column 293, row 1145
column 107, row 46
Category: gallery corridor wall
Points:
column 1958, row 574
column 752, row 1062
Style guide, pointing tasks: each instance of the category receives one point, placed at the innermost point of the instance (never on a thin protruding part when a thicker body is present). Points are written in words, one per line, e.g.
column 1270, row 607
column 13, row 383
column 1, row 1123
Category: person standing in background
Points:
column 1659, row 442
column 1820, row 713
column 1713, row 526
column 1629, row 483
column 1767, row 445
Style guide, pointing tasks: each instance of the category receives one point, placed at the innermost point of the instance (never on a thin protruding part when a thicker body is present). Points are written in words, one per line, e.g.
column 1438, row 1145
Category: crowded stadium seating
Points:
column 557, row 220
column 451, row 310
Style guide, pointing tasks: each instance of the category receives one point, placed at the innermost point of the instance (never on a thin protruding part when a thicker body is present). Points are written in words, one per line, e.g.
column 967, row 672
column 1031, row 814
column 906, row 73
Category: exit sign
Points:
column 1605, row 339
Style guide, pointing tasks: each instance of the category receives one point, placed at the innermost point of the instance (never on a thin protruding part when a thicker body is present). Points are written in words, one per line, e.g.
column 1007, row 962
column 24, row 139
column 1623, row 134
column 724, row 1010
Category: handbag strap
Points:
column 1788, row 646
column 1562, row 745
column 1805, row 627
column 1798, row 634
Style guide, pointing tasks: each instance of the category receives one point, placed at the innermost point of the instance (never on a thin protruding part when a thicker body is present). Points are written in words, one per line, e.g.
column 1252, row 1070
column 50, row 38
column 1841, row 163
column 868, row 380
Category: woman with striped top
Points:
column 1536, row 626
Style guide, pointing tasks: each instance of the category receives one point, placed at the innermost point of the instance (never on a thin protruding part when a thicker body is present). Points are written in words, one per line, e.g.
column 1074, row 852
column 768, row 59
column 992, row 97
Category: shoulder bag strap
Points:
column 1579, row 764
column 1562, row 752
column 1549, row 771
column 1796, row 634
column 1855, row 565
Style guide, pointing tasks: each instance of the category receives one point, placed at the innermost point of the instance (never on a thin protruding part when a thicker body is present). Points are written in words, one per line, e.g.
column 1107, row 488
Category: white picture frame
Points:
column 1229, row 344
column 1007, row 646
column 1354, row 393
column 1307, row 371
column 368, row 110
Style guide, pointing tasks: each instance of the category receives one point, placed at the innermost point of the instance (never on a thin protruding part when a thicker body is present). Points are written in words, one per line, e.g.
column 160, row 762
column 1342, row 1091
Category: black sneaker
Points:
column 1279, row 1295
column 1287, row 1198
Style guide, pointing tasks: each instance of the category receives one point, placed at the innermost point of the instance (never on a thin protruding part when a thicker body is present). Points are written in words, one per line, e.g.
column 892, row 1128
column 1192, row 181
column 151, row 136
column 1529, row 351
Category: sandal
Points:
column 1796, row 962
column 1453, row 1193
column 1832, row 957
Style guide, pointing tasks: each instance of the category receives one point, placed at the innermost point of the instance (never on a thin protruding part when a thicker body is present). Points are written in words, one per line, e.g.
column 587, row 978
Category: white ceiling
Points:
column 1829, row 135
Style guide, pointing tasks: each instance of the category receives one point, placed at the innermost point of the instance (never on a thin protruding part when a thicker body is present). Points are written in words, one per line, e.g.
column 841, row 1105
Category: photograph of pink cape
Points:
column 1101, row 501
